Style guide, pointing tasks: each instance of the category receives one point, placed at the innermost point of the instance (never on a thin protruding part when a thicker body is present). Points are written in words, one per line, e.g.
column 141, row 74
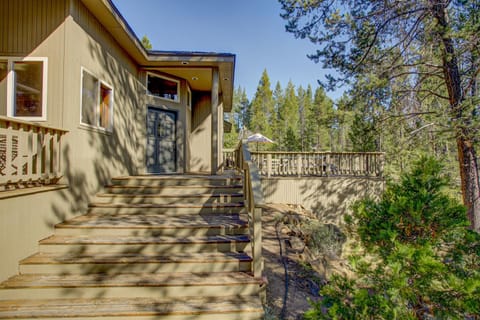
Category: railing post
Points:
column 257, row 243
column 299, row 165
column 269, row 165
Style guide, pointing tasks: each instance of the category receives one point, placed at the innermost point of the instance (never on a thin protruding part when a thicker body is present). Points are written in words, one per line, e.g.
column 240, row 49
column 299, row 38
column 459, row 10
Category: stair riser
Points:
column 184, row 190
column 258, row 315
column 175, row 182
column 116, row 268
column 139, row 199
column 161, row 249
column 154, row 232
column 167, row 211
column 164, row 292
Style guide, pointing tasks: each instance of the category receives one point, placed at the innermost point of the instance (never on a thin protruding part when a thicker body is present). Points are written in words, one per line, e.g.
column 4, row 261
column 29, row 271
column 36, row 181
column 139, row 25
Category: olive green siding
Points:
column 26, row 24
column 71, row 38
column 329, row 198
column 200, row 137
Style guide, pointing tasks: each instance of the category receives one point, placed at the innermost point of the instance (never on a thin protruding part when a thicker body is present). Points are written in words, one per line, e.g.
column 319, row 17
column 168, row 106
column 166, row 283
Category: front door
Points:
column 161, row 141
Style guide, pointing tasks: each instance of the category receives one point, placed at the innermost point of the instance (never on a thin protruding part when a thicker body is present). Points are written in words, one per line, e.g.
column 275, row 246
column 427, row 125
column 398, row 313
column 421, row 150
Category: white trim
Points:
column 177, row 99
column 189, row 98
column 100, row 82
column 11, row 86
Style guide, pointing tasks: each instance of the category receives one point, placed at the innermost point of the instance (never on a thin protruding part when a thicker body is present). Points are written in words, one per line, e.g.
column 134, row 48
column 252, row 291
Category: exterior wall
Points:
column 36, row 28
column 71, row 38
column 329, row 198
column 24, row 221
column 90, row 157
column 200, row 136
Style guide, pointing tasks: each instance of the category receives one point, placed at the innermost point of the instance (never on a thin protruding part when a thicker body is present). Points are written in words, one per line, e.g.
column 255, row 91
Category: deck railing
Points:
column 29, row 154
column 253, row 196
column 319, row 163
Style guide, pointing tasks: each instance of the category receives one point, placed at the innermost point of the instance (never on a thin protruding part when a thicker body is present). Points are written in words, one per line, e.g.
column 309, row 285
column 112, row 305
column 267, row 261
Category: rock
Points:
column 295, row 244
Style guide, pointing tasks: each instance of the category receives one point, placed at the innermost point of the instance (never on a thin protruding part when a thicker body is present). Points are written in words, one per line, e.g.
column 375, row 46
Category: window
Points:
column 97, row 102
column 3, row 87
column 23, row 87
column 162, row 87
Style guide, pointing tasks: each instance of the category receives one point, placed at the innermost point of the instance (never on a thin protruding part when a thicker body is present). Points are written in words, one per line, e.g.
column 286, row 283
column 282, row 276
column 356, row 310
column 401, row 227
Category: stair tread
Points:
column 126, row 307
column 128, row 280
column 157, row 205
column 130, row 258
column 178, row 177
column 143, row 240
column 193, row 186
column 157, row 221
column 146, row 195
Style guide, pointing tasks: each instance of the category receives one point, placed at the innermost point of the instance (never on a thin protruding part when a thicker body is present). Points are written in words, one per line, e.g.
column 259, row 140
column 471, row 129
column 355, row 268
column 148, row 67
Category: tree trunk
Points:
column 470, row 181
column 462, row 122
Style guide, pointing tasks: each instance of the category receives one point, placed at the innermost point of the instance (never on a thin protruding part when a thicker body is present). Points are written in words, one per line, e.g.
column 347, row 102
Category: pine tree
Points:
column 320, row 121
column 262, row 107
column 146, row 43
column 289, row 118
column 417, row 261
column 278, row 126
column 241, row 109
column 418, row 39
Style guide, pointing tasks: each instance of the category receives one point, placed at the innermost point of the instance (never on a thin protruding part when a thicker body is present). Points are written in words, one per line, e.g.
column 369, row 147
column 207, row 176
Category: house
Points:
column 112, row 201
column 86, row 113
column 75, row 71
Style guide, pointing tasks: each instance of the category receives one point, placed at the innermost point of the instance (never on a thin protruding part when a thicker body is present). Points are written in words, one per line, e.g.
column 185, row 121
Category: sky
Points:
column 251, row 29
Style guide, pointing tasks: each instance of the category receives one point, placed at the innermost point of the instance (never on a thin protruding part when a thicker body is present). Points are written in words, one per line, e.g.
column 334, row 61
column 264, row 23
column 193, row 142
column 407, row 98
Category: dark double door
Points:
column 161, row 141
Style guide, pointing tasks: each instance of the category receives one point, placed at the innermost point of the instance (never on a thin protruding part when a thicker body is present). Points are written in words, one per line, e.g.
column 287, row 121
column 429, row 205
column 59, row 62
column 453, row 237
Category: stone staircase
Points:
column 150, row 247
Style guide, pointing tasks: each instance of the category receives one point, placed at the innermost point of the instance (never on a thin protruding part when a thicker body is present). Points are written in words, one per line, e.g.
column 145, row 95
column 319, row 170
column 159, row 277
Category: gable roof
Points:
column 191, row 65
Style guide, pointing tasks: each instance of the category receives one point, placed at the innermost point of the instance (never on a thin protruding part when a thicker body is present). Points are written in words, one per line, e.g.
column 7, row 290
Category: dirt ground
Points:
column 303, row 282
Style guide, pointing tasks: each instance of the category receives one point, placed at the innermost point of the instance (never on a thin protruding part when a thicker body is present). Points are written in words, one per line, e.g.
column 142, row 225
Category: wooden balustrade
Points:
column 254, row 203
column 229, row 158
column 319, row 163
column 30, row 154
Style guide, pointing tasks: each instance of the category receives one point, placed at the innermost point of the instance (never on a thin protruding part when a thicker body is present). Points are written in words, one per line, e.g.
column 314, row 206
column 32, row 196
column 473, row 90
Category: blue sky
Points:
column 251, row 29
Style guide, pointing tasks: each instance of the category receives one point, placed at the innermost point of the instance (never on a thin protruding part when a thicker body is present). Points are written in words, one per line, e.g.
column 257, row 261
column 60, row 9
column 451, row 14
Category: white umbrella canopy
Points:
column 259, row 138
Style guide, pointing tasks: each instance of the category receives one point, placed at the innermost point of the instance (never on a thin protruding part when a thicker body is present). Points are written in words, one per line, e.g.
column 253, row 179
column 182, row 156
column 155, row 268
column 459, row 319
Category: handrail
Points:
column 30, row 154
column 278, row 163
column 254, row 203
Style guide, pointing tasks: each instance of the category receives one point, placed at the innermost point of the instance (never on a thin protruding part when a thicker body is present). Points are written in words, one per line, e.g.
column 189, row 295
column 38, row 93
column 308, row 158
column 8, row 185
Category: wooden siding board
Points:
column 26, row 24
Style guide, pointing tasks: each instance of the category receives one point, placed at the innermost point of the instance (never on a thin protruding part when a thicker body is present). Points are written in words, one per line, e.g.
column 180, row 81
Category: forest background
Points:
column 306, row 119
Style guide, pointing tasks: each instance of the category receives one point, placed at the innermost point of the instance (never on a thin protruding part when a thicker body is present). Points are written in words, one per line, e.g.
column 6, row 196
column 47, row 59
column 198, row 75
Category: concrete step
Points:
column 141, row 244
column 167, row 209
column 153, row 225
column 170, row 199
column 227, row 308
column 177, row 180
column 111, row 263
column 173, row 190
column 130, row 285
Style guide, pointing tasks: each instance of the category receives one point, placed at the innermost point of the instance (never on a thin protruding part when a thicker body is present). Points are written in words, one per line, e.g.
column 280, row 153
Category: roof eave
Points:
column 113, row 21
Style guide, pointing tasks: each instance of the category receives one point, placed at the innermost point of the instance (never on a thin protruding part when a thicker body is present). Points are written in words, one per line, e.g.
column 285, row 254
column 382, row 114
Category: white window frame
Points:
column 189, row 98
column 11, row 86
column 100, row 82
column 165, row 78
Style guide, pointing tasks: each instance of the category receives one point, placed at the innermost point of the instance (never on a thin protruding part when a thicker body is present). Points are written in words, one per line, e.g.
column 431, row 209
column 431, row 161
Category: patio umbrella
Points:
column 259, row 138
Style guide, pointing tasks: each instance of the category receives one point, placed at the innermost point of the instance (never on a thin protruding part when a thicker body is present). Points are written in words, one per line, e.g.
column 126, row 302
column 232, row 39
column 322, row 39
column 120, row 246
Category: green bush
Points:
column 419, row 262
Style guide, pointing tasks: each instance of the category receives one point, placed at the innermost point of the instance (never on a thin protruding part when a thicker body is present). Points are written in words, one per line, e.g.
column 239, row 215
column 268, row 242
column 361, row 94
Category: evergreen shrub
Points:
column 419, row 260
